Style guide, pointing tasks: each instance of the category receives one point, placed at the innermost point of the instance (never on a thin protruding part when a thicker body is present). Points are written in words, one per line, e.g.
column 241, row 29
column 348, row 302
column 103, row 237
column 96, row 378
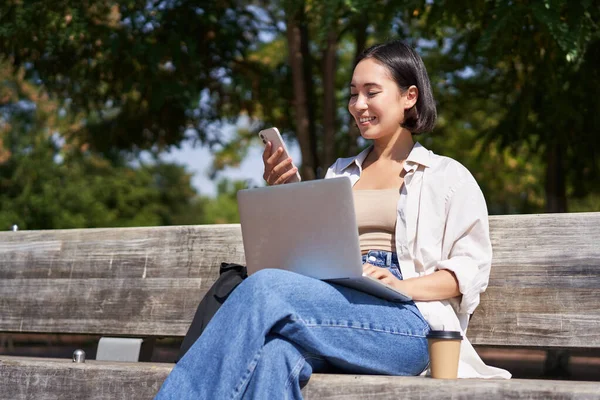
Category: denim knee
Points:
column 269, row 281
column 269, row 275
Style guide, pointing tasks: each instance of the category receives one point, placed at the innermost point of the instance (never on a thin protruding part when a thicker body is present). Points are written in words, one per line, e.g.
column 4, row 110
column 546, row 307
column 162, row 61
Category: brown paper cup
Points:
column 444, row 353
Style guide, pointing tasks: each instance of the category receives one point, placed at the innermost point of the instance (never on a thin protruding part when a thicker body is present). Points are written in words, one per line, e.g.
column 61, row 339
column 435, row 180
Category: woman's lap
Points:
column 325, row 324
column 346, row 327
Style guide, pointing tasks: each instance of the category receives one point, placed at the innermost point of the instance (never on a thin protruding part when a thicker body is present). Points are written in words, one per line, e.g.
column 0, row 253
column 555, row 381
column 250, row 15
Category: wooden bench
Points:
column 544, row 293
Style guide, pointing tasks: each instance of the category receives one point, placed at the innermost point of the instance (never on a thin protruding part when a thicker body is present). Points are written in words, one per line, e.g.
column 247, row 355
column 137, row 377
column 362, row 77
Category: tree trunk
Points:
column 556, row 188
column 294, row 38
column 329, row 108
column 311, row 105
column 360, row 39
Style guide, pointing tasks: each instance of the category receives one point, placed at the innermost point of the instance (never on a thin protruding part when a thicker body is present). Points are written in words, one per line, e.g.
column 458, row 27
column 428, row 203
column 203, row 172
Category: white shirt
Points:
column 442, row 223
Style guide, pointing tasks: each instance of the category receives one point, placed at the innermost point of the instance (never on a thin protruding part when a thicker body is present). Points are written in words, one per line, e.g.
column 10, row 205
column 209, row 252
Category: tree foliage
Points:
column 37, row 191
column 48, row 182
column 515, row 82
column 535, row 65
column 142, row 71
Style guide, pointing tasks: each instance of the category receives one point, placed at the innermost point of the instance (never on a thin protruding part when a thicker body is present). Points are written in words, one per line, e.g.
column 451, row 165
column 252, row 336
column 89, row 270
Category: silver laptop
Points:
column 308, row 228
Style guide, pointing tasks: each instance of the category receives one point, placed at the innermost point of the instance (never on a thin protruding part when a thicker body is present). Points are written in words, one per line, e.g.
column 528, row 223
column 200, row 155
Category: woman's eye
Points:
column 353, row 95
column 373, row 94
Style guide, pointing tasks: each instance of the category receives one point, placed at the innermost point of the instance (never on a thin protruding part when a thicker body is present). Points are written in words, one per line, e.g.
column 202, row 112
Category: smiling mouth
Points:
column 365, row 120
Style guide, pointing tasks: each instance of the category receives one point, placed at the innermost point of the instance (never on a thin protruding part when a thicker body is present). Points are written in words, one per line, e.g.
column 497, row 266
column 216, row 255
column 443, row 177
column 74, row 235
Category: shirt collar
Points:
column 419, row 155
column 358, row 160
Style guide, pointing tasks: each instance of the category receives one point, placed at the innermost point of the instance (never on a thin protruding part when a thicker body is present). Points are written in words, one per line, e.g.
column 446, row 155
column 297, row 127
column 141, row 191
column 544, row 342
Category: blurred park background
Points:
column 97, row 95
column 94, row 93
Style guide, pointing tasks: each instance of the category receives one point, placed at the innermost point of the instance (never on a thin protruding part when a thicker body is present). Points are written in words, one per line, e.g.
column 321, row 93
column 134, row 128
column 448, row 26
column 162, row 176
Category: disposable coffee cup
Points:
column 444, row 353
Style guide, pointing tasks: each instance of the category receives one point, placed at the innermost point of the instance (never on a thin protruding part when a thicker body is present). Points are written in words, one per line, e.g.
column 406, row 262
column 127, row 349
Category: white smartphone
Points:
column 272, row 135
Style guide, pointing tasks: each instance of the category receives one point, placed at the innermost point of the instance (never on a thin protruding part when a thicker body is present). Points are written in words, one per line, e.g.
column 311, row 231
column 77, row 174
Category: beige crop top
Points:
column 376, row 212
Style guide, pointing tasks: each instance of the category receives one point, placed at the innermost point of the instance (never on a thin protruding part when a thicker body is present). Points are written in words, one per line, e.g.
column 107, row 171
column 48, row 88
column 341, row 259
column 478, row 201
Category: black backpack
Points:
column 230, row 275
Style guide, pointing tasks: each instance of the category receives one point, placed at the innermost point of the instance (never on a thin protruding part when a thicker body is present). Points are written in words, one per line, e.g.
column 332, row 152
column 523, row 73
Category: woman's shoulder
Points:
column 447, row 176
column 449, row 168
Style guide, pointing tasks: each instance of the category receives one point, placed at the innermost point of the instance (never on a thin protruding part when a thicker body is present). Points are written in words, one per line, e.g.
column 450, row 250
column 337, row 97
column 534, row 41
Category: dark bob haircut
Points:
column 407, row 69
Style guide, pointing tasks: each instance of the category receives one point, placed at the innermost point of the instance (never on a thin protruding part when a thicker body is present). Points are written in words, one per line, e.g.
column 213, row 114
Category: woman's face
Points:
column 376, row 102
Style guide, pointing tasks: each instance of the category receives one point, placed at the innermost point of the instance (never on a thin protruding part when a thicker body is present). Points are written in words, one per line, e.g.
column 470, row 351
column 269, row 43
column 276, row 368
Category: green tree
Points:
column 48, row 182
column 222, row 209
column 515, row 81
column 536, row 63
column 143, row 72
column 44, row 187
column 299, row 77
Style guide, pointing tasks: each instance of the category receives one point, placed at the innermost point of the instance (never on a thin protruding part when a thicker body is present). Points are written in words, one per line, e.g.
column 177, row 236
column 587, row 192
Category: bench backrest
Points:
column 543, row 291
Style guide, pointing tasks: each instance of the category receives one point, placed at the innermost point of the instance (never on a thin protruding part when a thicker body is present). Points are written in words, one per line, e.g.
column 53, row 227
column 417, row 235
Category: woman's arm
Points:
column 440, row 285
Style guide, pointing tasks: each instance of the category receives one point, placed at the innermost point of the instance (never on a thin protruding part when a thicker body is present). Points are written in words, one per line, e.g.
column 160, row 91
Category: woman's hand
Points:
column 276, row 171
column 440, row 285
column 382, row 274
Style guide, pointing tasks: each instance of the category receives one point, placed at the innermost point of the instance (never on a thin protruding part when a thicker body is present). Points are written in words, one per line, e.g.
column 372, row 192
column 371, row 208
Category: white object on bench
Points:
column 119, row 349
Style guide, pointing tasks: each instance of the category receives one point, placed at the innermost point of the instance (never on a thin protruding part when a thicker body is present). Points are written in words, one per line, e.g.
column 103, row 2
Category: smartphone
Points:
column 272, row 135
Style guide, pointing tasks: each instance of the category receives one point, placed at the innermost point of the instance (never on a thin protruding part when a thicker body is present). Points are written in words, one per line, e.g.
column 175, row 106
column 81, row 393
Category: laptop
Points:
column 308, row 228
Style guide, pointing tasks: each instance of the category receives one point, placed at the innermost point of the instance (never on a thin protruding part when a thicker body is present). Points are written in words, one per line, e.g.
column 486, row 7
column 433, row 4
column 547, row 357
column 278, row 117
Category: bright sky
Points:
column 198, row 161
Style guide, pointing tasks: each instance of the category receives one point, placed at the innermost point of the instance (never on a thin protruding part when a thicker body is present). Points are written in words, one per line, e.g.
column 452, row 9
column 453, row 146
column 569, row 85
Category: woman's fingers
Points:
column 267, row 152
column 282, row 167
column 381, row 274
column 265, row 156
column 276, row 171
column 270, row 160
column 273, row 167
column 276, row 174
column 274, row 158
column 286, row 175
column 367, row 268
column 376, row 272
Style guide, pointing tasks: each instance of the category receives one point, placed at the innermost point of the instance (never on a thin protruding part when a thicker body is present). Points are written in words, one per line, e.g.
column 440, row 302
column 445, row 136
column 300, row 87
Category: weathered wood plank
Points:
column 544, row 285
column 566, row 241
column 546, row 240
column 147, row 281
column 537, row 318
column 47, row 379
column 156, row 252
column 128, row 307
column 355, row 387
column 165, row 307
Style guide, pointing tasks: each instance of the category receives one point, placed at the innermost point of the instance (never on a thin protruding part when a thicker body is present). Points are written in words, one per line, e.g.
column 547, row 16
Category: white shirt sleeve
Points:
column 467, row 247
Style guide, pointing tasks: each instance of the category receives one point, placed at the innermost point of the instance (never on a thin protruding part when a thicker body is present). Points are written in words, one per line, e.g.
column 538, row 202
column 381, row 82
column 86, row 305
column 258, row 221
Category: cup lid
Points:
column 444, row 335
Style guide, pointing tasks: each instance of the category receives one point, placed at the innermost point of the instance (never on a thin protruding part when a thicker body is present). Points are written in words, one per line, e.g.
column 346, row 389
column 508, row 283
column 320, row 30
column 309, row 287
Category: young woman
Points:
column 423, row 228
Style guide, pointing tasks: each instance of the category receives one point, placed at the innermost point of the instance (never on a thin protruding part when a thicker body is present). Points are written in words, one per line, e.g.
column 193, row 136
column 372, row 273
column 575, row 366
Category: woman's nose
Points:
column 361, row 103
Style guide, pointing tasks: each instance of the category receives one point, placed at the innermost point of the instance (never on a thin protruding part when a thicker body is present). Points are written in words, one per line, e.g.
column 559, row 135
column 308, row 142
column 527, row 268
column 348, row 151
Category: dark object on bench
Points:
column 230, row 275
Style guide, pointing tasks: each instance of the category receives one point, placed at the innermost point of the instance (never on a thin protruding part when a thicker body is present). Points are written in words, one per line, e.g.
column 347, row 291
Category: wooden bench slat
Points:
column 128, row 307
column 154, row 252
column 352, row 387
column 51, row 379
column 24, row 378
column 556, row 229
column 544, row 284
column 535, row 317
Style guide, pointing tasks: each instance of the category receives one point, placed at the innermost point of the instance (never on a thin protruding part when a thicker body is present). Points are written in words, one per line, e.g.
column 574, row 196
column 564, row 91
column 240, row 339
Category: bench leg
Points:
column 557, row 364
column 147, row 349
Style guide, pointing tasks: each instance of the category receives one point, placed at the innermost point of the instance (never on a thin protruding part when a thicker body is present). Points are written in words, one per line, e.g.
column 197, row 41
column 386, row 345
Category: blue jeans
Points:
column 277, row 327
column 383, row 259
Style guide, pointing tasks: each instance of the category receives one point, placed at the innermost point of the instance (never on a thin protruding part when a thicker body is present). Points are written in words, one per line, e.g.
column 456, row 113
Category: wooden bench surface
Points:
column 148, row 282
column 543, row 290
column 41, row 379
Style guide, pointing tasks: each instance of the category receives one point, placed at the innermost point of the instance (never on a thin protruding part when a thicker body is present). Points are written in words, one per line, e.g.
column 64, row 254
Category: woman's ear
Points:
column 412, row 94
